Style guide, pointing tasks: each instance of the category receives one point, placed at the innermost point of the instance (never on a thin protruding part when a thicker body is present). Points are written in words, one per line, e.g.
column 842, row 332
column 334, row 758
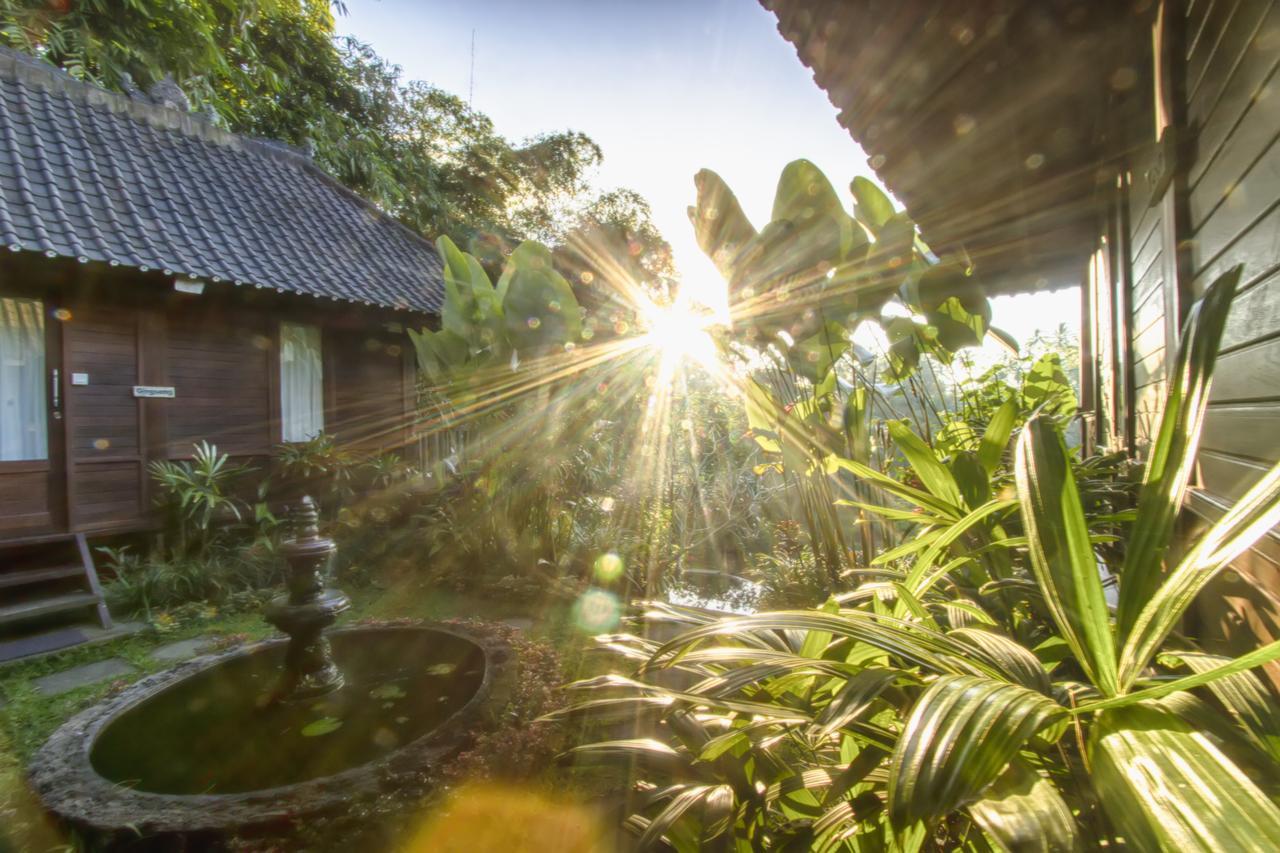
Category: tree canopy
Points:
column 278, row 69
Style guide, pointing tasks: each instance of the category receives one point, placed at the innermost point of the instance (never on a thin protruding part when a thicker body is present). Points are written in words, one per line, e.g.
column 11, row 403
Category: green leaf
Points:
column 871, row 206
column 1249, row 519
column 1047, row 388
column 1016, row 662
column 1245, row 697
column 971, row 477
column 961, row 733
column 926, row 464
column 857, row 424
column 763, row 414
column 1023, row 812
column 1171, row 457
column 911, row 495
column 540, row 308
column 680, row 803
column 813, row 357
column 1166, row 786
column 1257, row 657
column 721, row 228
column 1062, row 557
column 996, row 437
column 322, row 726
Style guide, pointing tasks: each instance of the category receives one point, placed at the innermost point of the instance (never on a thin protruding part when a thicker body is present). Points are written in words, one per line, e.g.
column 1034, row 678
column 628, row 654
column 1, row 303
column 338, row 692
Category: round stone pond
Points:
column 203, row 747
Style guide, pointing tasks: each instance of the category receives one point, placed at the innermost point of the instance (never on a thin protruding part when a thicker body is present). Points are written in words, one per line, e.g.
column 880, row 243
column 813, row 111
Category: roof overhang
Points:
column 988, row 120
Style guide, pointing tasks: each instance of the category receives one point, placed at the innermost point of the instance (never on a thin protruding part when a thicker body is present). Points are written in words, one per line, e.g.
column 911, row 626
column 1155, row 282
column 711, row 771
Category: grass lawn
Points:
column 28, row 718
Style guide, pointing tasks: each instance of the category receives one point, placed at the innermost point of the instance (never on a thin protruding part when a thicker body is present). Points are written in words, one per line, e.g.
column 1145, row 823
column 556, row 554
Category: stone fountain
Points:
column 254, row 739
column 307, row 609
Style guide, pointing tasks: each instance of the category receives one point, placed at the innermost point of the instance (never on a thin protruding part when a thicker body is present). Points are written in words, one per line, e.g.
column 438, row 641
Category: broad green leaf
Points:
column 1062, row 557
column 1023, row 812
column 961, row 733
column 872, row 207
column 1172, row 455
column 996, row 437
column 1166, row 786
column 680, row 803
column 813, row 357
column 1248, row 520
column 926, row 465
column 971, row 477
column 721, row 228
column 763, row 414
column 540, row 308
column 1047, row 388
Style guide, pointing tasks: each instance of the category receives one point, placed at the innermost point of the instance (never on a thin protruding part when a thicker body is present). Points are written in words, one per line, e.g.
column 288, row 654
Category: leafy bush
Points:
column 983, row 687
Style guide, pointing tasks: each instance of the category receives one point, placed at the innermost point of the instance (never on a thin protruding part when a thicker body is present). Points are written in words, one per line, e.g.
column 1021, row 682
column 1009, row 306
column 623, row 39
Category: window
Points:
column 24, row 432
column 301, row 382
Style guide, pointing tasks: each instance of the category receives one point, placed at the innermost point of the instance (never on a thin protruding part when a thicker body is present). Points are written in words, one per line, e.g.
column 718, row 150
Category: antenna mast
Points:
column 471, row 87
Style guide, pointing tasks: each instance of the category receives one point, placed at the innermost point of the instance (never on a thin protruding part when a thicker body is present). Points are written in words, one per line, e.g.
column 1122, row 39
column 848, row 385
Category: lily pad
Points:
column 387, row 691
column 322, row 726
column 442, row 669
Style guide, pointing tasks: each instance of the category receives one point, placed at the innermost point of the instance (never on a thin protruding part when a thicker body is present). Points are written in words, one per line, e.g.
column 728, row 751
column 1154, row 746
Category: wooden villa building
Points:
column 1125, row 146
column 164, row 282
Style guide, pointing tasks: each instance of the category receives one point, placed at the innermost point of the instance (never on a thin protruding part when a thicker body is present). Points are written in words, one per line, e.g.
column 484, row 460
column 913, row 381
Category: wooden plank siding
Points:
column 1234, row 191
column 220, row 365
column 1233, row 217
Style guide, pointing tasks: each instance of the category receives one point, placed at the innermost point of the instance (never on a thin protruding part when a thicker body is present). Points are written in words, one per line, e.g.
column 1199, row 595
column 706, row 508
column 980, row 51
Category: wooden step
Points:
column 26, row 577
column 43, row 606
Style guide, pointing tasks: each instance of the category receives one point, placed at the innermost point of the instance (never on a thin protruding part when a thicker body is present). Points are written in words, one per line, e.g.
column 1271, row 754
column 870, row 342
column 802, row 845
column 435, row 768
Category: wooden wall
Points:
column 220, row 364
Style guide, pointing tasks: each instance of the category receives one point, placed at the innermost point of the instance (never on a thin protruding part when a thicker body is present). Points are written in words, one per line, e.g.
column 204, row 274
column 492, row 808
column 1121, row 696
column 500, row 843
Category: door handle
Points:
column 57, row 395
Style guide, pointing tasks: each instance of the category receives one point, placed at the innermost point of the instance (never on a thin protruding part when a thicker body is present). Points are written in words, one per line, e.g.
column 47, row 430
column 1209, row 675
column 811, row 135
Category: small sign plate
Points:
column 165, row 391
column 79, row 379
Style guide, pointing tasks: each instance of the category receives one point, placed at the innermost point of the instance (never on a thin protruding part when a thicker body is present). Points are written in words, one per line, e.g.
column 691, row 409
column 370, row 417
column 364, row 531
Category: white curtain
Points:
column 301, row 382
column 24, row 432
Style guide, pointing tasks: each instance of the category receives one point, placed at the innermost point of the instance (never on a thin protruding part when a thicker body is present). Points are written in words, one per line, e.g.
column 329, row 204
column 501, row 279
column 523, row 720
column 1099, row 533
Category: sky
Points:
column 665, row 87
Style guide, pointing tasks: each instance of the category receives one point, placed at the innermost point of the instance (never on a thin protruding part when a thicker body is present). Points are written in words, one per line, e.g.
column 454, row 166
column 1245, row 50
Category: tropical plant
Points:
column 906, row 715
column 198, row 495
column 798, row 288
column 319, row 467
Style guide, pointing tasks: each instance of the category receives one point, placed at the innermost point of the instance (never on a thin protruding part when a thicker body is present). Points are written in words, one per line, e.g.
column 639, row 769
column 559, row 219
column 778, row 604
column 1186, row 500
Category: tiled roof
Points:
column 97, row 176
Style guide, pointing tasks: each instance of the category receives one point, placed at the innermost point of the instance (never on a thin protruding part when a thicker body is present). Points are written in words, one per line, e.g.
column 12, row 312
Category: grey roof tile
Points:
column 89, row 174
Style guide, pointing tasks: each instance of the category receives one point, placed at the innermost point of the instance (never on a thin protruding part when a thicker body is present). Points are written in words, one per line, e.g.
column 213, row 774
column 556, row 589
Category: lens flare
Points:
column 609, row 568
column 597, row 610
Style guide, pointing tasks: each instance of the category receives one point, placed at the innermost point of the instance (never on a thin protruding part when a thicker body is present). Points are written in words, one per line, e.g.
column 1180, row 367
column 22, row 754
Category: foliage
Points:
column 963, row 702
column 531, row 312
column 158, row 585
column 798, row 288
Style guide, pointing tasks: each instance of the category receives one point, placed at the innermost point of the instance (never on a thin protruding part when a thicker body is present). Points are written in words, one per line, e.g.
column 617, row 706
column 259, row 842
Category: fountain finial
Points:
column 306, row 520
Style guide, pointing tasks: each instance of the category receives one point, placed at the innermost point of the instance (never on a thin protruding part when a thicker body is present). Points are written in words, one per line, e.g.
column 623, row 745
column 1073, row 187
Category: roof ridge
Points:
column 28, row 69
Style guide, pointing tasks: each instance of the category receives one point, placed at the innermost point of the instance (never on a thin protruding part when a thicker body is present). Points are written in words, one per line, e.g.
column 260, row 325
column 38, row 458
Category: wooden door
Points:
column 32, row 495
column 106, row 466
